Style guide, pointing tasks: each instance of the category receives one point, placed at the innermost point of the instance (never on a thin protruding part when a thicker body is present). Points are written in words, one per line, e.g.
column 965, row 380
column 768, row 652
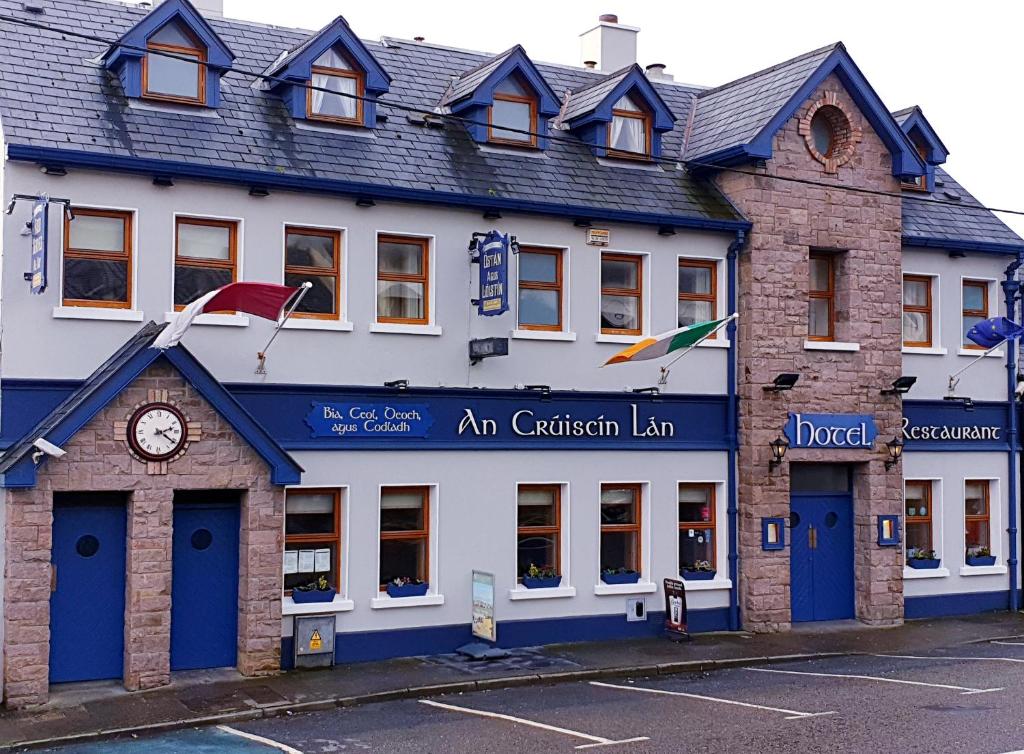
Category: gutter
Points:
column 985, row 247
column 732, row 423
column 1011, row 288
column 50, row 156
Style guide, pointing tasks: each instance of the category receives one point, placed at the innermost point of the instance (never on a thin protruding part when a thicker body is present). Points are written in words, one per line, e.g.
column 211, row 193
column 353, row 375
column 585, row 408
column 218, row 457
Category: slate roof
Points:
column 735, row 113
column 583, row 101
column 900, row 116
column 298, row 49
column 467, row 83
column 51, row 96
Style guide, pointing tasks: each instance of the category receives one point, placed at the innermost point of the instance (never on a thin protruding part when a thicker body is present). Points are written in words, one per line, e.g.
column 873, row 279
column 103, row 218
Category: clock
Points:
column 157, row 432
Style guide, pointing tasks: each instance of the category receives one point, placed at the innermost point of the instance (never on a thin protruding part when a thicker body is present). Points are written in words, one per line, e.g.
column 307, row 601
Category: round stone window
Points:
column 823, row 132
column 829, row 132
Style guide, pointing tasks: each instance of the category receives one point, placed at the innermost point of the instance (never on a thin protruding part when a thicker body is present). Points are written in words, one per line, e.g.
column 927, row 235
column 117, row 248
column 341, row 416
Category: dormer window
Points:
column 337, row 90
column 174, row 67
column 919, row 182
column 512, row 117
column 629, row 132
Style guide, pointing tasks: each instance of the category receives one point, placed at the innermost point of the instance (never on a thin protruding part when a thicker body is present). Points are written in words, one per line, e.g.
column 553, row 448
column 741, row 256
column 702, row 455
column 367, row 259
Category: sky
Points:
column 960, row 61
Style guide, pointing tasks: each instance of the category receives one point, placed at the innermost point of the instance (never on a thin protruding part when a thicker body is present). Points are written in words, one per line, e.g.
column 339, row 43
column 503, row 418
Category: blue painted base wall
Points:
column 365, row 646
column 968, row 603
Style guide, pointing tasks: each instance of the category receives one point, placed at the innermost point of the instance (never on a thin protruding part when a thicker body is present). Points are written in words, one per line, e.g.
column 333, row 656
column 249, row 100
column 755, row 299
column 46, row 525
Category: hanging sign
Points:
column 40, row 242
column 494, row 251
column 852, row 431
column 598, row 237
column 484, row 626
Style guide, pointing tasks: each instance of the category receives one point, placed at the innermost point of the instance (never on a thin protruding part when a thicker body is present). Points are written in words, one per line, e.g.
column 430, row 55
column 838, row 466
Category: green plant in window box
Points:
column 701, row 570
column 317, row 590
column 621, row 575
column 541, row 577
column 921, row 559
column 980, row 556
column 406, row 586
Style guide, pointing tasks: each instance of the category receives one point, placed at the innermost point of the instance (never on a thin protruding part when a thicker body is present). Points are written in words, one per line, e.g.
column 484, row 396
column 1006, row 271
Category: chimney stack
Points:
column 656, row 72
column 610, row 44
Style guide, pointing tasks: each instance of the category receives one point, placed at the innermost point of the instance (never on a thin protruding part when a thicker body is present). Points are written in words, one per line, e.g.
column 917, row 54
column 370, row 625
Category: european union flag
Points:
column 992, row 332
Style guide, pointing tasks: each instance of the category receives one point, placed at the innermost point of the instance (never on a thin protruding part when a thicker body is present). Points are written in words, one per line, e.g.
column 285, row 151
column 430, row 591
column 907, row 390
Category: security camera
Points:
column 49, row 448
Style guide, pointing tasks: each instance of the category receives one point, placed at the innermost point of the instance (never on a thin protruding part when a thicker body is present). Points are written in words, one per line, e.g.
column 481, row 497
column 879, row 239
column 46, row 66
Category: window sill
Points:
column 390, row 327
column 156, row 106
column 222, row 320
column 384, row 602
column 922, row 351
column 976, row 352
column 334, row 325
column 641, row 587
column 560, row 335
column 707, row 586
column 924, row 573
column 993, row 570
column 97, row 312
column 633, row 163
column 339, row 605
column 830, row 345
column 524, row 150
column 327, row 127
column 522, row 593
column 621, row 339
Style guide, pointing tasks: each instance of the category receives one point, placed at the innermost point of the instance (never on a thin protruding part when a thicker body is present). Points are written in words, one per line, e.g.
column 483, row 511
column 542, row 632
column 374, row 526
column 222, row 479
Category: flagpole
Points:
column 953, row 381
column 261, row 356
column 663, row 379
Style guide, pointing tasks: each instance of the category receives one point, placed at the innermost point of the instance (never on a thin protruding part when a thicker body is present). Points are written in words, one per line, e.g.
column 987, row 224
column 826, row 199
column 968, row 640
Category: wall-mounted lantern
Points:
column 778, row 446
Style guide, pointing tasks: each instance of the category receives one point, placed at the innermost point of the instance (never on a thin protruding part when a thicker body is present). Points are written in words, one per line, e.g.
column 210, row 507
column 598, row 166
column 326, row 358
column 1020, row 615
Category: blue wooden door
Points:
column 87, row 601
column 204, row 591
column 821, row 557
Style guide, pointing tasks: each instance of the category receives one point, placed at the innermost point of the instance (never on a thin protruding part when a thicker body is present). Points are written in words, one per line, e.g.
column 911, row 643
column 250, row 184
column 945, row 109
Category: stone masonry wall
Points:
column 790, row 219
column 97, row 460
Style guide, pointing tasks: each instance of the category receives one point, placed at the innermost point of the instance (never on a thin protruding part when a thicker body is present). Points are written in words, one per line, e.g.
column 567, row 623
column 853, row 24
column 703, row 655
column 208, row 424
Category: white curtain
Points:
column 334, row 105
column 628, row 135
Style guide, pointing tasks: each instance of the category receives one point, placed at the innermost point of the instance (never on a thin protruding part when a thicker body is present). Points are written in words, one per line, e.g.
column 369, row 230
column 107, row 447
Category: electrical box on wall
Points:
column 636, row 609
column 314, row 641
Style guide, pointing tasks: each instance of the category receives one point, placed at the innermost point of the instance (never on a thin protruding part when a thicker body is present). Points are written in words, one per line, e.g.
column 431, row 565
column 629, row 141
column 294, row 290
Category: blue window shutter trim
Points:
column 295, row 71
column 125, row 56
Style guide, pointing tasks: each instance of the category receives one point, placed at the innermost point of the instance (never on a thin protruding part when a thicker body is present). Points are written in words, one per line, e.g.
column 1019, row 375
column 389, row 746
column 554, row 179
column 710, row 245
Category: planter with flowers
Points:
column 543, row 577
column 980, row 556
column 922, row 559
column 407, row 587
column 315, row 591
column 620, row 576
column 702, row 570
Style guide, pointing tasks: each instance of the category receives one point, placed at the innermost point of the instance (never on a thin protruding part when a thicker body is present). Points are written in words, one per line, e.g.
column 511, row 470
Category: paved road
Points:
column 961, row 699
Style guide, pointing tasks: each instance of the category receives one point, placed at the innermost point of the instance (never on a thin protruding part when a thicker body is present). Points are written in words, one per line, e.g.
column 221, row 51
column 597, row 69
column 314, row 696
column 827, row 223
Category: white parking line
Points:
column 259, row 739
column 965, row 690
column 595, row 740
column 968, row 659
column 790, row 714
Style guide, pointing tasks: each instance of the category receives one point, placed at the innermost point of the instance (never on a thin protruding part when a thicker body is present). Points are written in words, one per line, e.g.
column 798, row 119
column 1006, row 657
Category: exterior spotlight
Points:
column 485, row 348
column 968, row 403
column 259, row 192
column 53, row 170
column 666, row 230
column 782, row 382
column 900, row 386
column 544, row 390
column 164, row 181
column 895, row 448
column 581, row 223
column 647, row 390
column 397, row 384
column 778, row 446
column 492, row 214
column 365, row 201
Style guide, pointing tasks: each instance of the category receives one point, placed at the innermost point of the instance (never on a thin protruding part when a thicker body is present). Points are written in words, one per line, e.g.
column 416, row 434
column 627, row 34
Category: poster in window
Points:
column 484, row 626
column 306, row 559
column 291, row 561
column 321, row 560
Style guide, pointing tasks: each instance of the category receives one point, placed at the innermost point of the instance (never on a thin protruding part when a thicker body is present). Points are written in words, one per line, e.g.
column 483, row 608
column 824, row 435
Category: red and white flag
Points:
column 266, row 300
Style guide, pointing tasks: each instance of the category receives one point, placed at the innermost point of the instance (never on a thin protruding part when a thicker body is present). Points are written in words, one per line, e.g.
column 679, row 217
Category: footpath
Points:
column 79, row 712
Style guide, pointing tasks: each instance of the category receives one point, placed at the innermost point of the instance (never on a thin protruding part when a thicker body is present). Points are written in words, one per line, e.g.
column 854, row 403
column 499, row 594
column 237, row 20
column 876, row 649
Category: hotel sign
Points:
column 40, row 241
column 848, row 431
column 494, row 251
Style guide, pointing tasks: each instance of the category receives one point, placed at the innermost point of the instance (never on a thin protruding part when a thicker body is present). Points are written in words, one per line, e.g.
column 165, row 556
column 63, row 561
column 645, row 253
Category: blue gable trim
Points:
column 284, row 470
column 474, row 105
column 592, row 126
column 295, row 71
column 125, row 56
column 906, row 163
column 283, row 181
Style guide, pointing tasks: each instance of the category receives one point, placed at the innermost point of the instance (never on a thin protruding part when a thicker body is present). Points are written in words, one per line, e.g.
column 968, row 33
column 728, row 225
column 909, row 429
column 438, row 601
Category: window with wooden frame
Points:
column 336, row 90
column 538, row 527
column 540, row 289
column 697, row 526
column 919, row 183
column 97, row 264
column 174, row 66
column 975, row 309
column 917, row 311
column 620, row 527
column 821, row 294
column 403, row 280
column 629, row 132
column 404, row 534
column 622, row 294
column 977, row 515
column 698, row 292
column 205, row 257
column 312, row 537
column 917, row 500
column 313, row 255
column 512, row 116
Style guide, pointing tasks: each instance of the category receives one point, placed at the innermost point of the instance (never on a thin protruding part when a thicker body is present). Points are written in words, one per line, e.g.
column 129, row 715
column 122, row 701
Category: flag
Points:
column 989, row 333
column 666, row 343
column 266, row 300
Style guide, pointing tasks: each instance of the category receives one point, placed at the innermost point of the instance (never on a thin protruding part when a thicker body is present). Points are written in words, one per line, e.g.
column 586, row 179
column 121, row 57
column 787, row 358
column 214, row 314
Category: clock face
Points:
column 157, row 432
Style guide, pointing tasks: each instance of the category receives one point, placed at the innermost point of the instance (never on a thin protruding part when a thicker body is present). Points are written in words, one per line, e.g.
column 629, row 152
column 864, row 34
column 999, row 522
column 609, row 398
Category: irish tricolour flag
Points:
column 669, row 342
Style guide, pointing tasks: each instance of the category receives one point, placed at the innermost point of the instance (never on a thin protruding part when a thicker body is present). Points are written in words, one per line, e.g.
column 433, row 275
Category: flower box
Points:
column 981, row 560
column 300, row 596
column 620, row 578
column 407, row 590
column 924, row 563
column 698, row 575
column 541, row 582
